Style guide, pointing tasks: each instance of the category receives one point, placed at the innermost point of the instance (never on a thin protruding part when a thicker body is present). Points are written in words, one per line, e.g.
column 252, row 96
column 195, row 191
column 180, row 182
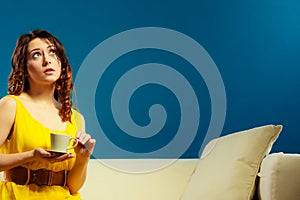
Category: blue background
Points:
column 255, row 45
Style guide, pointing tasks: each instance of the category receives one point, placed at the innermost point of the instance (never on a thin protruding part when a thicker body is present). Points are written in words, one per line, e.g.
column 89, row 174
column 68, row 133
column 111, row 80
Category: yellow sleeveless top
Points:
column 28, row 133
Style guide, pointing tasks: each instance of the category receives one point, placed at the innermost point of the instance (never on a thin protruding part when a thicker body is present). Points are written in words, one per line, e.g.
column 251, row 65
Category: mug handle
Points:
column 74, row 144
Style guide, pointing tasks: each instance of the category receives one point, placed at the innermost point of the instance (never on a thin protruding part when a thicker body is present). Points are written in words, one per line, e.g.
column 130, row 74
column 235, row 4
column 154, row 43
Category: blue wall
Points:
column 253, row 45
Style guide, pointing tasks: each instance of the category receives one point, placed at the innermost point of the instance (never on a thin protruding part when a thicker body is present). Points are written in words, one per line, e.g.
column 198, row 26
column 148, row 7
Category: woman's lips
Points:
column 49, row 71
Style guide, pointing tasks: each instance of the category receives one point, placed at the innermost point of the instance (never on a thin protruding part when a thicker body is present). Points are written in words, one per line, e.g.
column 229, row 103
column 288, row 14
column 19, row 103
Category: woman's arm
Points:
column 84, row 150
column 7, row 117
column 8, row 161
column 77, row 175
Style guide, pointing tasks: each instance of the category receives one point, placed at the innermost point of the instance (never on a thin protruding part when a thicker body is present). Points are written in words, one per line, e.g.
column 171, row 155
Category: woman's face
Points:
column 43, row 65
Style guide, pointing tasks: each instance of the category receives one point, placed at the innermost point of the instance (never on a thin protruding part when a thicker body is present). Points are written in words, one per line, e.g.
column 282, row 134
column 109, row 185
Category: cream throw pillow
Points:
column 228, row 167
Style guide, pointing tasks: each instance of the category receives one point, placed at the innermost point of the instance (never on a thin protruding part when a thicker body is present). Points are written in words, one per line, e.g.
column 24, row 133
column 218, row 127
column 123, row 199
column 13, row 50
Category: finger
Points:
column 59, row 158
column 65, row 156
column 53, row 155
column 84, row 138
column 45, row 153
column 90, row 145
column 80, row 136
column 79, row 133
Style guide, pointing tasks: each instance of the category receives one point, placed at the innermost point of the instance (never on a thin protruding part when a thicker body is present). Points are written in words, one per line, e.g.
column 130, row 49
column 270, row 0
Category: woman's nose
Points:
column 46, row 60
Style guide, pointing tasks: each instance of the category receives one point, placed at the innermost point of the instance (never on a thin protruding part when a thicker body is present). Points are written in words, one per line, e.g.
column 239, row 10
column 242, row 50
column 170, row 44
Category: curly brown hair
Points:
column 18, row 81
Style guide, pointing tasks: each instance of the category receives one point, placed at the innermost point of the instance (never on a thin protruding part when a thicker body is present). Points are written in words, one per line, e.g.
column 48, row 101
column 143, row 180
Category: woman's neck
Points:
column 42, row 96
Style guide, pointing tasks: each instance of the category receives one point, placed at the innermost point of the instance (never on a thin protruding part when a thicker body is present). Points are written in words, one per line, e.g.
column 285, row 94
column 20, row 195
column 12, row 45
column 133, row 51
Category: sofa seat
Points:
column 278, row 179
column 167, row 182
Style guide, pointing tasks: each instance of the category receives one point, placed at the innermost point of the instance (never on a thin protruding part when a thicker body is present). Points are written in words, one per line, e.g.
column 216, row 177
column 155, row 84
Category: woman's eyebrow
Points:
column 33, row 50
column 50, row 46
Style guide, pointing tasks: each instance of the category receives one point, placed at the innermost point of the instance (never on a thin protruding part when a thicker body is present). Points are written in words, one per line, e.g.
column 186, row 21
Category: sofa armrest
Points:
column 279, row 177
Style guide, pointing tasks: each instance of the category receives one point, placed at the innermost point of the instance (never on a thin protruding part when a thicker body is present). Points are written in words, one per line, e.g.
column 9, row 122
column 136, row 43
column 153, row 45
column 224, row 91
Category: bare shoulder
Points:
column 7, row 109
column 7, row 103
column 7, row 116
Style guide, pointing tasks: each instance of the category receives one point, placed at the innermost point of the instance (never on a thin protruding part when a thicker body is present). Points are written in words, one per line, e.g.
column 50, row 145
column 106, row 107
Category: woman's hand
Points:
column 85, row 145
column 40, row 153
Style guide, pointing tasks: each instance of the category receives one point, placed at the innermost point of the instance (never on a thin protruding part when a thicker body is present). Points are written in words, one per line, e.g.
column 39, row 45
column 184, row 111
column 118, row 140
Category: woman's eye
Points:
column 35, row 55
column 52, row 52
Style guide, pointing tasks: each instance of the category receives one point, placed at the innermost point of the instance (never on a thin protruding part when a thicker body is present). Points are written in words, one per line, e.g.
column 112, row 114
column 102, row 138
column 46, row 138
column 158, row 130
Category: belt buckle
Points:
column 49, row 180
column 35, row 177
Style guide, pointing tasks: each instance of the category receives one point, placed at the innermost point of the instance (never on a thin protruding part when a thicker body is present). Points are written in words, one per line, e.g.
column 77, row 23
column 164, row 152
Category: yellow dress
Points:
column 29, row 134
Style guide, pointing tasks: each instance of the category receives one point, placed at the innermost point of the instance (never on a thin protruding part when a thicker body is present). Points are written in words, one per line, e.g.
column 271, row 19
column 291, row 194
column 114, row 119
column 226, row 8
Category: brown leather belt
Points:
column 41, row 177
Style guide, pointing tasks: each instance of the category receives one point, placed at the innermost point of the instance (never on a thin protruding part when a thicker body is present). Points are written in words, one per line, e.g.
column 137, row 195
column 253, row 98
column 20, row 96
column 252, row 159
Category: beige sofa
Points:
column 237, row 166
column 280, row 179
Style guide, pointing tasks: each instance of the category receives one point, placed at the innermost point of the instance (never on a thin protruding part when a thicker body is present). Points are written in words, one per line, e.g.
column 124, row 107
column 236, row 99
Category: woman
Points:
column 39, row 103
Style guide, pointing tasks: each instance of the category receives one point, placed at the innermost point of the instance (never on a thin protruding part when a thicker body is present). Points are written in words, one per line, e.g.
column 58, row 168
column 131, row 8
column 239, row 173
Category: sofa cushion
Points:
column 229, row 165
column 279, row 177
